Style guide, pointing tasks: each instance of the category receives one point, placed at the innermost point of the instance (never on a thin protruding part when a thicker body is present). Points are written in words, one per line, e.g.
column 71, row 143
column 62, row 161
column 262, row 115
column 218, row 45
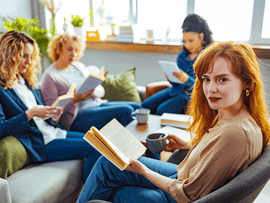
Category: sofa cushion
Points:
column 13, row 156
column 121, row 87
column 46, row 182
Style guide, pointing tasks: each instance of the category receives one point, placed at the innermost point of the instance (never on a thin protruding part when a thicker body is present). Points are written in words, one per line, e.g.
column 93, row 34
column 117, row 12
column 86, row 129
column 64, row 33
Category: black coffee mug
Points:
column 156, row 142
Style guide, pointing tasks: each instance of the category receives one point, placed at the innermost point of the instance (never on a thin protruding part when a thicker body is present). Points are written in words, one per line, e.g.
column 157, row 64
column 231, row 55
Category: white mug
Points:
column 141, row 115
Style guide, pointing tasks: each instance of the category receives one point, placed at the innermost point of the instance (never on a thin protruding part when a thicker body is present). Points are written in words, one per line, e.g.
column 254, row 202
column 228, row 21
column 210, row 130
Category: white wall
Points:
column 15, row 8
column 148, row 69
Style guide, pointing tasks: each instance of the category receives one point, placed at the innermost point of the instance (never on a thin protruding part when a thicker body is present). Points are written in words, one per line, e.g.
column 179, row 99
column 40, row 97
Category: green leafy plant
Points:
column 77, row 21
column 30, row 27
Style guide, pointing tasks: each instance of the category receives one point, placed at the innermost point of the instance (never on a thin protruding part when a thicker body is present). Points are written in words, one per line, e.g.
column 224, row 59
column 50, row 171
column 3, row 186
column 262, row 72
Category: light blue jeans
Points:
column 73, row 147
column 101, row 115
column 107, row 182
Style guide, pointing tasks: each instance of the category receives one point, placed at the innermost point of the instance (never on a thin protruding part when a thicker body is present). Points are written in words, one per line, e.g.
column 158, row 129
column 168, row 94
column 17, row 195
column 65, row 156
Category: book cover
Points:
column 92, row 81
column 63, row 100
column 116, row 143
column 169, row 67
column 176, row 120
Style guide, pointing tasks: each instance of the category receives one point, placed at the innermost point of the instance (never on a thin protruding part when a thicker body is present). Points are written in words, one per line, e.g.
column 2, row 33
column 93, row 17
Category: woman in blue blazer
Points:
column 22, row 113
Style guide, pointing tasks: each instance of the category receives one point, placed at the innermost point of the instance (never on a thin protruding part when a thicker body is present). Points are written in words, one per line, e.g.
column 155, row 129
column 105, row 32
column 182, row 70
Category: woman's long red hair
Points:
column 244, row 65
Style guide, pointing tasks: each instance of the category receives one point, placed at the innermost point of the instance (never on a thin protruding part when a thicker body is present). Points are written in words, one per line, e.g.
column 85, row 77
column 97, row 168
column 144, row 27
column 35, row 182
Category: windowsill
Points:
column 262, row 51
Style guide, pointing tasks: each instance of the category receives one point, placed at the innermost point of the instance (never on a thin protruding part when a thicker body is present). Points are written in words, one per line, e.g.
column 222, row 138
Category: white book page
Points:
column 90, row 83
column 182, row 134
column 169, row 67
column 127, row 143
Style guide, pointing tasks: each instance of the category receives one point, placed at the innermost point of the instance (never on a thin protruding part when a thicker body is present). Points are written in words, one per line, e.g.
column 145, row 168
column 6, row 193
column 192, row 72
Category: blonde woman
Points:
column 22, row 110
column 229, row 130
column 84, row 110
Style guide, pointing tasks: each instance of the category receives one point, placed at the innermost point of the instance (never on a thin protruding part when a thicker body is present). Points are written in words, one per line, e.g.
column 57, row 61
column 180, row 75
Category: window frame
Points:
column 256, row 24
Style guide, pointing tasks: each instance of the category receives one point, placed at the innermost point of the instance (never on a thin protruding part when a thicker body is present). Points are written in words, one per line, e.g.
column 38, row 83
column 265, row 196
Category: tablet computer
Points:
column 169, row 67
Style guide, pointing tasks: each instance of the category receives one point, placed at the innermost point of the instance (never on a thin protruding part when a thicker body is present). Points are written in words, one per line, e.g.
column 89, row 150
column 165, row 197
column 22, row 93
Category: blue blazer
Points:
column 13, row 121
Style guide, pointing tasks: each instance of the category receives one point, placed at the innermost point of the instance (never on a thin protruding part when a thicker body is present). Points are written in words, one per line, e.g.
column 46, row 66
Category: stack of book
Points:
column 125, row 34
column 175, row 120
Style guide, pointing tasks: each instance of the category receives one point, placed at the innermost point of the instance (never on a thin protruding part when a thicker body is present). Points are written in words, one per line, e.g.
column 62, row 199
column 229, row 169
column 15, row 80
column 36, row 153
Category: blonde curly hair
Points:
column 245, row 66
column 11, row 47
column 57, row 43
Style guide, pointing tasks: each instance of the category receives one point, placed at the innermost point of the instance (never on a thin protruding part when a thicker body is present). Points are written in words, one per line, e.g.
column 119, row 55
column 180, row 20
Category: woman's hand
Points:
column 58, row 113
column 157, row 179
column 82, row 97
column 137, row 167
column 181, row 76
column 176, row 143
column 41, row 111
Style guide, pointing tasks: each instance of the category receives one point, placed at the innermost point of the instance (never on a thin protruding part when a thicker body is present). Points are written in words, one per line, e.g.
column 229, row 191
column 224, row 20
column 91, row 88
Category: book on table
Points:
column 176, row 120
column 182, row 134
column 116, row 143
column 92, row 81
column 169, row 67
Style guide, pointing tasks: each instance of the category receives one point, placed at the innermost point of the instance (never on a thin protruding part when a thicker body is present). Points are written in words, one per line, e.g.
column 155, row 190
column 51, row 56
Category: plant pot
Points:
column 78, row 31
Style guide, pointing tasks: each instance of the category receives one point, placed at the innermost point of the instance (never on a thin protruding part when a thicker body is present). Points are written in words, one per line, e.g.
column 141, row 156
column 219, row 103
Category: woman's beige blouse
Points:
column 227, row 149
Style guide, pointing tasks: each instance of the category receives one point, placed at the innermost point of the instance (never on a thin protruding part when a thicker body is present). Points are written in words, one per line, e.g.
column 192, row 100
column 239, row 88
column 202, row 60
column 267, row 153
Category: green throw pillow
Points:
column 121, row 87
column 13, row 156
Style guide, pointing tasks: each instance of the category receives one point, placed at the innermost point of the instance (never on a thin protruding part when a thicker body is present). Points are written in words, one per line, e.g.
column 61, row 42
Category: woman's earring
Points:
column 247, row 93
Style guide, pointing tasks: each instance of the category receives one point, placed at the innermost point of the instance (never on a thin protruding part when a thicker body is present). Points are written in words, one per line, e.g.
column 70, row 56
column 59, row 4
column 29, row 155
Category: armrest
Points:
column 141, row 90
column 4, row 191
column 154, row 87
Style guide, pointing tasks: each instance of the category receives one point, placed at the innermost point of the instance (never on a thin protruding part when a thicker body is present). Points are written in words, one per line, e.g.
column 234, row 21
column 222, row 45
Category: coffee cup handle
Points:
column 133, row 115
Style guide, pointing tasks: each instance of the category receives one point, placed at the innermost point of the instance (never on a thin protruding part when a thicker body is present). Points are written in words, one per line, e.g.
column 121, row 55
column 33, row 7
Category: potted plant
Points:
column 77, row 22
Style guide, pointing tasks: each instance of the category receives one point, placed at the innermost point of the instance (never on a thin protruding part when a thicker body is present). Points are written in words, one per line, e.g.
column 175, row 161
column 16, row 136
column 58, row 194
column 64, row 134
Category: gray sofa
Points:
column 50, row 182
column 59, row 181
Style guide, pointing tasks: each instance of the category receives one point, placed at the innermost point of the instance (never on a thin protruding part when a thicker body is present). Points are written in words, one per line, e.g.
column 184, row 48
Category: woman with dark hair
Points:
column 229, row 130
column 196, row 36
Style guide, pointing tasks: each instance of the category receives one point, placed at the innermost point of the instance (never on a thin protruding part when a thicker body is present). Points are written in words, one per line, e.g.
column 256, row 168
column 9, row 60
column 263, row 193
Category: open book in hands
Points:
column 169, row 67
column 92, row 81
column 63, row 100
column 116, row 143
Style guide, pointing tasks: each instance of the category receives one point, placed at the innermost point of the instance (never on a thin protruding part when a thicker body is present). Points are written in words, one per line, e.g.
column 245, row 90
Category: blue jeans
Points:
column 105, row 179
column 164, row 102
column 101, row 115
column 73, row 147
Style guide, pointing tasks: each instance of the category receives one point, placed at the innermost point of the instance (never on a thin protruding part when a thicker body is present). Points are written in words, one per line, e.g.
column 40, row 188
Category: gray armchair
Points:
column 244, row 188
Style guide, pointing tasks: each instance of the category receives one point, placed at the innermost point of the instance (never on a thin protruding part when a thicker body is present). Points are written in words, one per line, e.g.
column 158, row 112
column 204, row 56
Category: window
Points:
column 266, row 20
column 68, row 7
column 159, row 15
column 237, row 20
column 228, row 20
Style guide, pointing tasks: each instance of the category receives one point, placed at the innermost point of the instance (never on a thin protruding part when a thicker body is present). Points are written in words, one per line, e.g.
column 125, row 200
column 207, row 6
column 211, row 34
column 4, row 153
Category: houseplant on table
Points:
column 77, row 21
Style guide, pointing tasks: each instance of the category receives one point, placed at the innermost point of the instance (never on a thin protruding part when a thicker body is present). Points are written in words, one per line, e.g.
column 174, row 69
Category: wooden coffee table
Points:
column 142, row 130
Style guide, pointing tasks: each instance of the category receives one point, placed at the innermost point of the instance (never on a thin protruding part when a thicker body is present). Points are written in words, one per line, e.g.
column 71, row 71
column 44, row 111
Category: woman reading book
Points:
column 22, row 110
column 230, row 128
column 196, row 36
column 87, row 109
